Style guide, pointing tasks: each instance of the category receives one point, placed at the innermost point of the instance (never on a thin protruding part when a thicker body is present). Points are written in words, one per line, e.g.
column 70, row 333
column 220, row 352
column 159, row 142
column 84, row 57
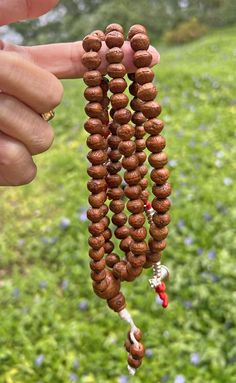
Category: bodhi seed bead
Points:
column 119, row 100
column 142, row 59
column 91, row 60
column 147, row 92
column 92, row 78
column 139, row 41
column 162, row 191
column 143, row 75
column 114, row 27
column 127, row 148
column 122, row 116
column 93, row 125
column 125, row 132
column 151, row 109
column 97, row 157
column 117, row 85
column 97, row 171
column 93, row 109
column 158, row 160
column 113, row 167
column 135, row 29
column 116, row 70
column 156, row 143
column 132, row 192
column 115, row 55
column 91, row 42
column 154, row 126
column 161, row 205
column 96, row 186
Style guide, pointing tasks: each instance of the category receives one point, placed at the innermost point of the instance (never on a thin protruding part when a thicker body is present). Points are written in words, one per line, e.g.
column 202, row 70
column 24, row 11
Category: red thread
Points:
column 160, row 290
column 148, row 205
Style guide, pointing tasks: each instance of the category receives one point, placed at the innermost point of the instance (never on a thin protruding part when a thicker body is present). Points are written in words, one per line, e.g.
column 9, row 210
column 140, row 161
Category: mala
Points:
column 117, row 144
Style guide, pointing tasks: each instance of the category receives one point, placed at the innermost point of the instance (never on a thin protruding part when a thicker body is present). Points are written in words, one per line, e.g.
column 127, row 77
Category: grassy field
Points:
column 53, row 327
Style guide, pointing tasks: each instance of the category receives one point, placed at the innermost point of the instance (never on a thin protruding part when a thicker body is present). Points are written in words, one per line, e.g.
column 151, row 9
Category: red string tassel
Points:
column 160, row 290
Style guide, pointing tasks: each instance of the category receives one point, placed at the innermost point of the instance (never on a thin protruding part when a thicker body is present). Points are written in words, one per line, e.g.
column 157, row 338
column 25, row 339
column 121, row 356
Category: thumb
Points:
column 15, row 10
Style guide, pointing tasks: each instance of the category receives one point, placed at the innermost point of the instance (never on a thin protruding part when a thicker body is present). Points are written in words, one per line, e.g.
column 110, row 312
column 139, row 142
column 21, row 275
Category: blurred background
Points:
column 53, row 327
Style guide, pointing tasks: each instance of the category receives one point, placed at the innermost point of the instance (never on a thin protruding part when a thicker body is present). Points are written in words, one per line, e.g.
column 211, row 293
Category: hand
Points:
column 29, row 86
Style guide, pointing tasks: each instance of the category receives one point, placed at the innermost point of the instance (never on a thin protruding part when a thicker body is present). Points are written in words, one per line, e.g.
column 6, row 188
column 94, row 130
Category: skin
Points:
column 30, row 85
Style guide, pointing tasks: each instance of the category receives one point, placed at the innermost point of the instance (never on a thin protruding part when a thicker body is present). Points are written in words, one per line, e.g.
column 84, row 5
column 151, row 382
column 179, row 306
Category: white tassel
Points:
column 125, row 315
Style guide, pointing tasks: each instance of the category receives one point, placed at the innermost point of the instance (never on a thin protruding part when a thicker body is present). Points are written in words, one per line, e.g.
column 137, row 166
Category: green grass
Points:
column 53, row 327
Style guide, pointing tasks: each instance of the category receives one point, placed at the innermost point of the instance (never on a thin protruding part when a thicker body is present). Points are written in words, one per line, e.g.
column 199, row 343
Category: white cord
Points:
column 125, row 315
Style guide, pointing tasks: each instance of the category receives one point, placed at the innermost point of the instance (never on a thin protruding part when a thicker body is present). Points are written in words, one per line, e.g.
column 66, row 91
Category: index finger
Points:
column 64, row 60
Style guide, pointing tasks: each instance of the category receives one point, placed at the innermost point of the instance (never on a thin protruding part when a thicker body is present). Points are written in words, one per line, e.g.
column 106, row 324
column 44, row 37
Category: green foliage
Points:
column 53, row 327
column 185, row 32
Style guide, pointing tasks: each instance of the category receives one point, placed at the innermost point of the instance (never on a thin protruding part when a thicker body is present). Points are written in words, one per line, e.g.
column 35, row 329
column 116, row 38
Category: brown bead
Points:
column 125, row 132
column 147, row 92
column 121, row 232
column 137, row 350
column 122, row 116
column 132, row 177
column 92, row 78
column 91, row 42
column 96, row 141
column 125, row 244
column 107, row 234
column 114, row 27
column 113, row 180
column 96, row 228
column 136, row 104
column 141, row 157
column 130, row 163
column 138, row 248
column 98, row 265
column 143, row 75
column 131, row 76
column 139, row 41
column 91, row 60
column 137, row 334
column 99, row 33
column 119, row 219
column 97, row 172
column 115, row 55
column 151, row 109
column 135, row 206
column 154, row 126
column 97, row 157
column 104, row 208
column 116, row 70
column 98, row 277
column 96, row 242
column 113, row 167
column 93, row 126
column 161, row 205
column 108, row 247
column 117, row 303
column 144, row 196
column 96, row 254
column 127, row 345
column 162, row 191
column 105, row 220
column 143, row 183
column 138, row 118
column 93, row 109
column 120, row 270
column 97, row 200
column 137, row 220
column 158, row 233
column 127, row 148
column 132, row 192
column 139, row 133
column 136, row 261
column 158, row 160
column 133, row 272
column 156, row 246
column 117, row 85
column 138, row 235
column 135, row 363
column 117, row 206
column 105, row 102
column 135, row 29
column 142, row 59
column 95, row 215
column 105, row 84
column 155, row 143
column 160, row 176
column 133, row 89
column 113, row 287
column 96, row 186
column 119, row 100
column 115, row 193
column 114, row 39
column 153, row 257
column 114, row 155
column 161, row 220
column 143, row 170
column 112, row 259
column 140, row 144
column 113, row 126
column 113, row 141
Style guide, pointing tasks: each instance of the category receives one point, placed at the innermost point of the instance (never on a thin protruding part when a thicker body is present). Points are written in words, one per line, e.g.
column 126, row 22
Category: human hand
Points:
column 29, row 86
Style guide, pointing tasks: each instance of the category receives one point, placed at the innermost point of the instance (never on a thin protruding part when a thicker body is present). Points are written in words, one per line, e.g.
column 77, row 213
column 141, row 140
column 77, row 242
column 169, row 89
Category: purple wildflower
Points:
column 76, row 364
column 149, row 352
column 83, row 305
column 188, row 304
column 188, row 241
column 73, row 377
column 179, row 379
column 39, row 360
column 200, row 250
column 64, row 284
column 43, row 284
column 16, row 292
column 180, row 223
column 195, row 358
column 123, row 379
column 211, row 254
column 207, row 216
column 172, row 163
column 65, row 223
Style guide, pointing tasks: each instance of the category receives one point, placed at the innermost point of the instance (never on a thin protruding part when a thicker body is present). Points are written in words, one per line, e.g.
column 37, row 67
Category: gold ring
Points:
column 48, row 115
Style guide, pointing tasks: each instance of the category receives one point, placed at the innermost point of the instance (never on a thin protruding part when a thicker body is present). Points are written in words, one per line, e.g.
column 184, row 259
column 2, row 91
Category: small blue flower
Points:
column 64, row 284
column 76, row 364
column 158, row 300
column 172, row 163
column 211, row 254
column 83, row 305
column 21, row 242
column 188, row 241
column 228, row 181
column 180, row 223
column 149, row 352
column 65, row 223
column 123, row 379
column 73, row 377
column 200, row 250
column 179, row 379
column 39, row 360
column 207, row 216
column 165, row 378
column 188, row 304
column 16, row 292
column 195, row 358
column 83, row 216
column 43, row 284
